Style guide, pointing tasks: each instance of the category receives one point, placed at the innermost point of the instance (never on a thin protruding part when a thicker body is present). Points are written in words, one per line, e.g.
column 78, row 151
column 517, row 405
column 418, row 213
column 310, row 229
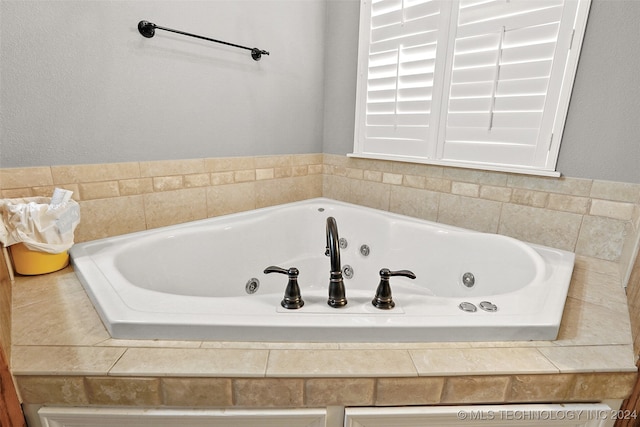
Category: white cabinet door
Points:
column 137, row 417
column 576, row 415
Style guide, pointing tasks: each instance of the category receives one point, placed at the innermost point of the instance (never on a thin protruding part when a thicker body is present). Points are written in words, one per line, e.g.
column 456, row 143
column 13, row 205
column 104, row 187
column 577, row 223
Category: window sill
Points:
column 466, row 165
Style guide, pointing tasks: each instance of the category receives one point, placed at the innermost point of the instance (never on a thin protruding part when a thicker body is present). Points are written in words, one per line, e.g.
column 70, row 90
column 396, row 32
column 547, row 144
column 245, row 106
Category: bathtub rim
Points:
column 123, row 322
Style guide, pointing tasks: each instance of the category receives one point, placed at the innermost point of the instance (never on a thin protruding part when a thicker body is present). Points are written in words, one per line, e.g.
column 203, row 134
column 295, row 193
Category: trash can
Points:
column 39, row 231
column 29, row 263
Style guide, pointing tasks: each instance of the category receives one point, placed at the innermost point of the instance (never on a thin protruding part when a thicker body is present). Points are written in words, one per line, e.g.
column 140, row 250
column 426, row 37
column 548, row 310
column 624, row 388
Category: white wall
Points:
column 602, row 133
column 341, row 61
column 79, row 84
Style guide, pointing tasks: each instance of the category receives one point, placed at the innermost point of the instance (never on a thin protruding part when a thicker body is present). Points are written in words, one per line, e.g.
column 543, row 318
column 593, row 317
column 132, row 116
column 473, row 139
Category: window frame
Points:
column 434, row 148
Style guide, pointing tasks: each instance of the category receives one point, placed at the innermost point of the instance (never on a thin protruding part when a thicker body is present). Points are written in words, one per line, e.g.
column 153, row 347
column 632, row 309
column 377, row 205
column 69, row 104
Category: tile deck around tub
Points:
column 62, row 354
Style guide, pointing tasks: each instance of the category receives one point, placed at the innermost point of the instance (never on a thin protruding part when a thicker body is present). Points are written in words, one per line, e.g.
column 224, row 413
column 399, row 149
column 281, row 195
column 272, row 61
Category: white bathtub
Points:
column 189, row 281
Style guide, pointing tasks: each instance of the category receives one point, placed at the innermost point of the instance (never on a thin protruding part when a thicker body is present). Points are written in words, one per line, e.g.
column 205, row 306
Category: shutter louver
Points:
column 399, row 85
column 503, row 60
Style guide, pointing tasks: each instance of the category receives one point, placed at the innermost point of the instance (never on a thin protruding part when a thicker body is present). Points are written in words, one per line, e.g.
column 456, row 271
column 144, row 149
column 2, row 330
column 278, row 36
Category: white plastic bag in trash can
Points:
column 40, row 226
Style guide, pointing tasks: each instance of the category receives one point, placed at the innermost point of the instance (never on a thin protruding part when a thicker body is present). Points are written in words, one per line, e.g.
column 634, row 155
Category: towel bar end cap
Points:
column 147, row 29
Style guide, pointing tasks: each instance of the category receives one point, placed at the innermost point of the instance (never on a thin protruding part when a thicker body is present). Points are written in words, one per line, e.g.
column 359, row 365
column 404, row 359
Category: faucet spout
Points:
column 337, row 294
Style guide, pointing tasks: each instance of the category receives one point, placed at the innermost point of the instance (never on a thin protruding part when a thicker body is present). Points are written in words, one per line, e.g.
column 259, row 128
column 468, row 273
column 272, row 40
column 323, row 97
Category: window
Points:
column 473, row 83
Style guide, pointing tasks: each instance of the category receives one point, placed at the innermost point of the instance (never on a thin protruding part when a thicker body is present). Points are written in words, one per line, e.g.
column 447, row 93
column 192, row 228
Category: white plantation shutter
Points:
column 479, row 83
column 505, row 56
column 397, row 84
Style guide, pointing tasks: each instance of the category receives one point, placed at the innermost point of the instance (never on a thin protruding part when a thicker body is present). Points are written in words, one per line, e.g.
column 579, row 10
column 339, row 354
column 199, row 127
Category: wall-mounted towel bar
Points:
column 148, row 30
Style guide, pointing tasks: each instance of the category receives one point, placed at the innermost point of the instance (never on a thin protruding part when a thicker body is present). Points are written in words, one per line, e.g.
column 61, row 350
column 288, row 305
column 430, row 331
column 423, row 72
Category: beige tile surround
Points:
column 61, row 353
column 633, row 296
column 599, row 219
column 120, row 198
column 5, row 311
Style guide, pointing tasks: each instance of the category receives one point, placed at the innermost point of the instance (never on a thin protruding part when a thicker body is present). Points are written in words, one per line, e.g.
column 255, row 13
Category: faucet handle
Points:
column 385, row 272
column 292, row 298
column 383, row 299
column 275, row 269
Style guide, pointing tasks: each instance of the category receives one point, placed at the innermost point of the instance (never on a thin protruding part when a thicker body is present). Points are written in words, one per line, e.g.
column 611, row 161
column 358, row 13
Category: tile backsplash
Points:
column 594, row 218
column 599, row 219
column 121, row 198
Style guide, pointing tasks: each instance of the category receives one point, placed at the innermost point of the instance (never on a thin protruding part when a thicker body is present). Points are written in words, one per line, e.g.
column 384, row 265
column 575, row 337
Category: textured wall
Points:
column 80, row 85
column 341, row 60
column 602, row 132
